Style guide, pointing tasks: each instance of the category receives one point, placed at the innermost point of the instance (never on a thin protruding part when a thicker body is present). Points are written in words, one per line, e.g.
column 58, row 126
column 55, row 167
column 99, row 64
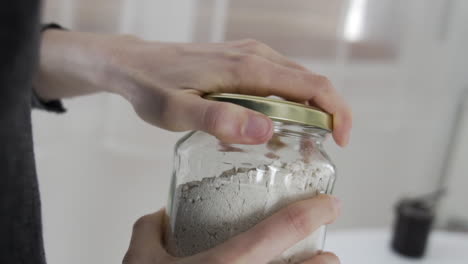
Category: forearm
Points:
column 72, row 64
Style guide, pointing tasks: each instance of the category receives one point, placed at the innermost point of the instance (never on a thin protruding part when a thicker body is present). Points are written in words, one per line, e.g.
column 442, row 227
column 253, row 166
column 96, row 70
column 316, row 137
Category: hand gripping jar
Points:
column 219, row 190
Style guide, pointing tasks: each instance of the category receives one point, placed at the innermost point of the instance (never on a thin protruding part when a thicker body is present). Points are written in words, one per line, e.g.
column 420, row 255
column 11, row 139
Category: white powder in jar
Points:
column 206, row 213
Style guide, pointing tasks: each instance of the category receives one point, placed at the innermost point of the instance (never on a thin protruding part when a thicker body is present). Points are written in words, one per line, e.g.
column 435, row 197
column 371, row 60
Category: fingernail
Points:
column 257, row 126
column 337, row 202
column 346, row 140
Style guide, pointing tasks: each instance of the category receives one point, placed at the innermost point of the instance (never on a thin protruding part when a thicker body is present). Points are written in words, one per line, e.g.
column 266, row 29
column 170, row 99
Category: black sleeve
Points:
column 38, row 103
column 20, row 208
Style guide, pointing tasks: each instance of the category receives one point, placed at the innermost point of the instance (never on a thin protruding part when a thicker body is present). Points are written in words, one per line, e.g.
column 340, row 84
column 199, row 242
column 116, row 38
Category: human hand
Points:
column 259, row 245
column 165, row 81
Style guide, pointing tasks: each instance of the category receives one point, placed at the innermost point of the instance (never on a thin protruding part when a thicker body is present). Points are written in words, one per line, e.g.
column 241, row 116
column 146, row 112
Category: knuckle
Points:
column 249, row 42
column 141, row 222
column 212, row 116
column 244, row 64
column 322, row 83
column 323, row 80
column 297, row 219
column 253, row 46
column 247, row 61
column 257, row 46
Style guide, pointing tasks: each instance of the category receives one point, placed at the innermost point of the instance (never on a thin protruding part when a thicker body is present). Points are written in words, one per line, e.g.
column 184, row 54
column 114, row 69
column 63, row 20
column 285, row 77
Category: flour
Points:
column 208, row 212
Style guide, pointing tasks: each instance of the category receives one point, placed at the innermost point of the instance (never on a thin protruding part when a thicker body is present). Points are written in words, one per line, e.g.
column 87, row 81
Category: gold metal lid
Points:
column 279, row 110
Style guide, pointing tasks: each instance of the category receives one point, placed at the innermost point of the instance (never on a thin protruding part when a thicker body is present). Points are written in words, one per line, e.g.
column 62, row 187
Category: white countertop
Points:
column 372, row 246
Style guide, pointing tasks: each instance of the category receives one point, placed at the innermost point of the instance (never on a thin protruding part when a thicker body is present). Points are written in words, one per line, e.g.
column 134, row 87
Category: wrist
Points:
column 119, row 75
column 71, row 64
column 129, row 71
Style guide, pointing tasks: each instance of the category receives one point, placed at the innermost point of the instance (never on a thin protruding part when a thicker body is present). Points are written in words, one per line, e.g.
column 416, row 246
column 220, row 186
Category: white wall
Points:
column 100, row 167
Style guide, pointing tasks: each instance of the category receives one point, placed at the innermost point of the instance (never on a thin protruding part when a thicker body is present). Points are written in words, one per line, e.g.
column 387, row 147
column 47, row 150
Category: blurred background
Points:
column 401, row 65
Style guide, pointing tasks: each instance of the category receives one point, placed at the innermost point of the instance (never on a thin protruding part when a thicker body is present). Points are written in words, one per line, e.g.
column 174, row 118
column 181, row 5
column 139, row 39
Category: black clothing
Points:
column 20, row 211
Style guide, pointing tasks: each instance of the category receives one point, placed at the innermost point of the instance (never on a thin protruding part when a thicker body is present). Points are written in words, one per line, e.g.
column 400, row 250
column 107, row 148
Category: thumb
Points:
column 275, row 234
column 146, row 244
column 228, row 122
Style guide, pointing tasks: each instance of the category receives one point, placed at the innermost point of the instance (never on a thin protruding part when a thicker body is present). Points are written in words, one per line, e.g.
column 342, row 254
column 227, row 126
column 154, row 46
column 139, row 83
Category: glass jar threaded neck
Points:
column 299, row 131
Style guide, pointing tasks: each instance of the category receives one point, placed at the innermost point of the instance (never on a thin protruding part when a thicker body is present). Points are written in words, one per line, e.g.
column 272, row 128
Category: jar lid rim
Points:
column 279, row 110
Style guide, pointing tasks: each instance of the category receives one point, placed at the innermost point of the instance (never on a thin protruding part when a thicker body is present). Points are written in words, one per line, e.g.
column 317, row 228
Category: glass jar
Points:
column 219, row 190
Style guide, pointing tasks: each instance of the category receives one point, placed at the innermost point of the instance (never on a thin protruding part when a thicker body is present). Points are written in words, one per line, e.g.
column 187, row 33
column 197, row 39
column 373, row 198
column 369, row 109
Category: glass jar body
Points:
column 219, row 190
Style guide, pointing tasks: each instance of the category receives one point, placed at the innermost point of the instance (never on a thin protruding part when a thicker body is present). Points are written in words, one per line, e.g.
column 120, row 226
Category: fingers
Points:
column 330, row 101
column 323, row 258
column 228, row 122
column 254, row 47
column 303, row 86
column 280, row 231
column 258, row 76
column 146, row 244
